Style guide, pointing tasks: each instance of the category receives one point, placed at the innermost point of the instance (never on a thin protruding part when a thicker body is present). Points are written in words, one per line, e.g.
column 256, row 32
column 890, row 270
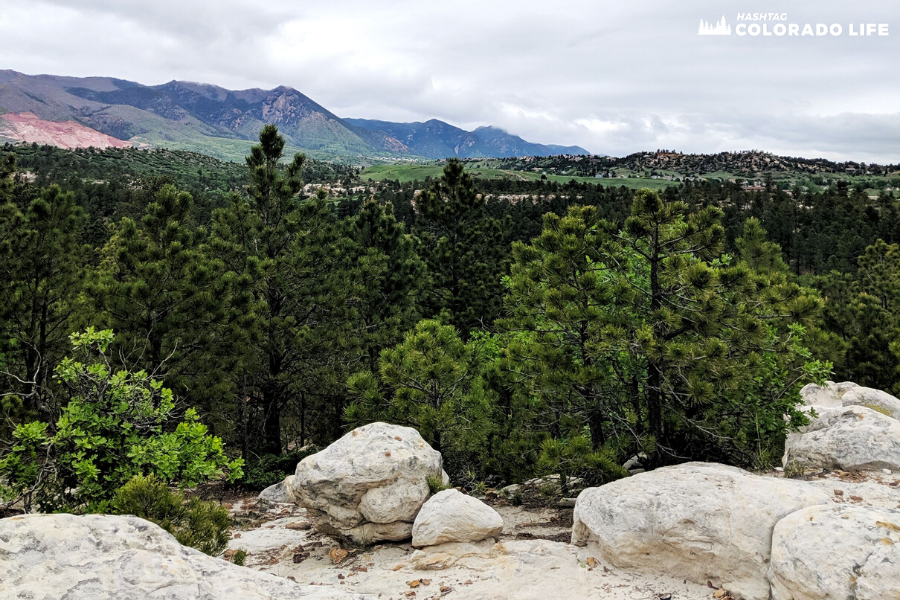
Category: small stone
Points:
column 886, row 471
column 838, row 492
column 237, row 535
column 414, row 583
column 591, row 561
column 398, row 566
column 719, row 593
column 856, row 498
column 301, row 526
column 340, row 575
column 337, row 555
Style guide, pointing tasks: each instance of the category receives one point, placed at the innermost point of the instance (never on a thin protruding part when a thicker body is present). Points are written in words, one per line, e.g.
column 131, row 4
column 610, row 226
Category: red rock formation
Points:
column 27, row 127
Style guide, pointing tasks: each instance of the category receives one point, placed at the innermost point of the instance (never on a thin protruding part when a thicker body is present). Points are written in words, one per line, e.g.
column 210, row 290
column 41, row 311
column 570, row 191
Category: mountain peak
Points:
column 211, row 119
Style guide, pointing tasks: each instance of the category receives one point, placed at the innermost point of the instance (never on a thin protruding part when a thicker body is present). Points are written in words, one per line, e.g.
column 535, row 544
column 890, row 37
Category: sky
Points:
column 613, row 77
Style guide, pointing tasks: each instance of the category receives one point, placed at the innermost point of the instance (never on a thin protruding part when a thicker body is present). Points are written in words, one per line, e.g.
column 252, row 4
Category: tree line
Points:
column 564, row 331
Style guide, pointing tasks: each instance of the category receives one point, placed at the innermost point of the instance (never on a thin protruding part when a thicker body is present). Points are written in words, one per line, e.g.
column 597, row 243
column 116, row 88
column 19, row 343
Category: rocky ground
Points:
column 531, row 559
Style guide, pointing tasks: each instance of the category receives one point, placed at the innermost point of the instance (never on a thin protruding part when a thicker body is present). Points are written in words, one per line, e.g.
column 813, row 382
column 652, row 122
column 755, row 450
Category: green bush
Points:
column 269, row 469
column 117, row 424
column 194, row 522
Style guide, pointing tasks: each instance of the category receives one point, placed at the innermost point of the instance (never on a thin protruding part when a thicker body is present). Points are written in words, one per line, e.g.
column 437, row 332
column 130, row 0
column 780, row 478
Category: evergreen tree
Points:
column 41, row 267
column 392, row 280
column 649, row 334
column 165, row 298
column 464, row 250
column 290, row 261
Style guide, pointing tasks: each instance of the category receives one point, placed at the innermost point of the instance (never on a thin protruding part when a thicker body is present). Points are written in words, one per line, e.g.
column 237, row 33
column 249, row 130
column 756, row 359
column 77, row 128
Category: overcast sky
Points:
column 614, row 77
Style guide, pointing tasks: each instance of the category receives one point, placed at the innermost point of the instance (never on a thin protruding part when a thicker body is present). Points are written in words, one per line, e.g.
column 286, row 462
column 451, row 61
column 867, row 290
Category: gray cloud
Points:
column 613, row 77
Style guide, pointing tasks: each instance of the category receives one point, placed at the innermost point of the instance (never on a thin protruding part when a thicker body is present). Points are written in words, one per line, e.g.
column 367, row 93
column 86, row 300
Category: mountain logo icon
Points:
column 720, row 28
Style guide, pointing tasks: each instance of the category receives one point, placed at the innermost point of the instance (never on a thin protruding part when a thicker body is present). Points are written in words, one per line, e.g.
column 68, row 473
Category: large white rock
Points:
column 828, row 395
column 875, row 399
column 48, row 557
column 370, row 484
column 700, row 521
column 851, row 438
column 280, row 492
column 451, row 516
column 836, row 553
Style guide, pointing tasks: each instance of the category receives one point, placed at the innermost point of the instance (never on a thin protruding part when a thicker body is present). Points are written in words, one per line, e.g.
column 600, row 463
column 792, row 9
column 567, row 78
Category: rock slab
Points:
column 851, row 438
column 369, row 485
column 48, row 557
column 281, row 492
column 701, row 521
column 451, row 516
column 835, row 553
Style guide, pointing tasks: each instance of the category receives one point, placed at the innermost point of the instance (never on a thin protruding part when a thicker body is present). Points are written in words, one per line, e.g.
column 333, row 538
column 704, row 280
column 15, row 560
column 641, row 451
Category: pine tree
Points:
column 464, row 250
column 652, row 339
column 291, row 263
column 165, row 297
column 392, row 280
column 41, row 266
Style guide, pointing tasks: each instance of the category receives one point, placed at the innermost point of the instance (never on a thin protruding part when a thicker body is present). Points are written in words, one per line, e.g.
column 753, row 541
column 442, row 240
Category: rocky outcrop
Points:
column 835, row 553
column 851, row 438
column 875, row 399
column 451, row 516
column 369, row 485
column 125, row 558
column 705, row 522
column 828, row 395
column 281, row 492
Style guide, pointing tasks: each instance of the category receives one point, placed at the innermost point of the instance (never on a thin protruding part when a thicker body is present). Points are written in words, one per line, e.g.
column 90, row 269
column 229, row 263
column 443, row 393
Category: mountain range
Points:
column 104, row 111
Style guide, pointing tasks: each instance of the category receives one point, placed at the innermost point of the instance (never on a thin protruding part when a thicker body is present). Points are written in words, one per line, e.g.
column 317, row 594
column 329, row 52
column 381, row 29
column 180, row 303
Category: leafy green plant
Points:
column 116, row 425
column 269, row 469
column 194, row 522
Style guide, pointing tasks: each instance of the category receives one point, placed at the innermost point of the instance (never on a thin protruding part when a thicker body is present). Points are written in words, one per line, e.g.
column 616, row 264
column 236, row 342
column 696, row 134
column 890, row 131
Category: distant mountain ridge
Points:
column 222, row 122
column 436, row 139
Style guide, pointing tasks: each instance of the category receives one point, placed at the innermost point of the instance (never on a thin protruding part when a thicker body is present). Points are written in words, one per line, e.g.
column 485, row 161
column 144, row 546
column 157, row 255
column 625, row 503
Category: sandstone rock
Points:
column 451, row 516
column 875, row 399
column 835, row 553
column 369, row 485
column 701, row 521
column 851, row 438
column 280, row 492
column 45, row 557
column 828, row 395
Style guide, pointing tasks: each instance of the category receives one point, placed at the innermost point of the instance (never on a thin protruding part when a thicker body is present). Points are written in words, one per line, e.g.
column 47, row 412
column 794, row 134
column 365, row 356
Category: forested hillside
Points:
column 522, row 326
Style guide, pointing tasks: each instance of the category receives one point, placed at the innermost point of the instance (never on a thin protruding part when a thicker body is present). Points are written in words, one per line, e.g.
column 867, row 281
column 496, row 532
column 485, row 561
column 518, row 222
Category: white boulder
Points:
column 451, row 516
column 280, row 492
column 851, row 438
column 370, row 484
column 701, row 521
column 875, row 399
column 45, row 557
column 835, row 553
column 828, row 395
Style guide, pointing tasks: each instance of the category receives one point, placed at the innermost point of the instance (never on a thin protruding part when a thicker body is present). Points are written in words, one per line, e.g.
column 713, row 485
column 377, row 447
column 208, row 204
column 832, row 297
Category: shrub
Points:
column 194, row 522
column 269, row 469
column 117, row 424
column 436, row 484
column 239, row 557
